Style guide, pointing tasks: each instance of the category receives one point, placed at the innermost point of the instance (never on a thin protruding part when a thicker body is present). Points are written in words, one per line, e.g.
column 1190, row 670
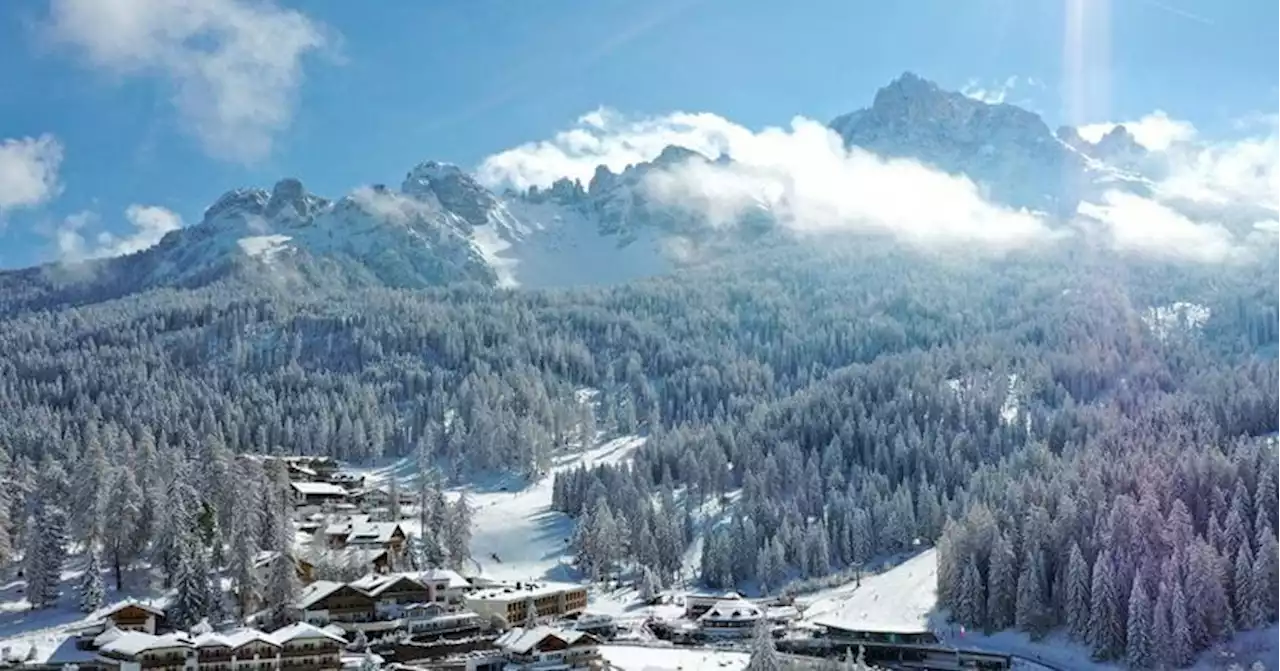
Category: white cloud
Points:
column 604, row 137
column 149, row 222
column 28, row 171
column 1155, row 131
column 1136, row 224
column 1240, row 172
column 235, row 65
column 996, row 93
column 803, row 174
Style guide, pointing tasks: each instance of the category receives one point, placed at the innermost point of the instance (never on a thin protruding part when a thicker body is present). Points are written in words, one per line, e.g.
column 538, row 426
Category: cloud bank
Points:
column 811, row 183
column 1154, row 131
column 234, row 65
column 802, row 174
column 28, row 171
column 149, row 224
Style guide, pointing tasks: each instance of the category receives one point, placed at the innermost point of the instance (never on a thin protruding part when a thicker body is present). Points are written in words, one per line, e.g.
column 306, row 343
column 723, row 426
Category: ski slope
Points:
column 529, row 539
column 902, row 599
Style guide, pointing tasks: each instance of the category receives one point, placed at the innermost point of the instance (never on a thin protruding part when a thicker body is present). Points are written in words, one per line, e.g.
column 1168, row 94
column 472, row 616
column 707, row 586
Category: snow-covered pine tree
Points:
column 123, row 534
column 764, row 655
column 1001, row 585
column 1161, row 634
column 92, row 592
column 530, row 614
column 46, row 554
column 393, row 499
column 1266, row 582
column 1138, row 642
column 7, row 550
column 1077, row 598
column 457, row 539
column 971, row 602
column 1028, row 608
column 1106, row 627
column 191, row 585
column 283, row 585
column 1183, row 643
column 1246, row 602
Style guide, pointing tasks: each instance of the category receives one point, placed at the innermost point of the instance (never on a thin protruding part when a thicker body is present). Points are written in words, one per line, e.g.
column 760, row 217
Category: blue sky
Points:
column 148, row 113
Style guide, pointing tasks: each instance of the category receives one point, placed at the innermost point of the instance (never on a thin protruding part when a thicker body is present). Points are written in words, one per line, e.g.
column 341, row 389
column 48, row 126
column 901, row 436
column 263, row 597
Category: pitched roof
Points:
column 317, row 591
column 132, row 643
column 520, row 640
column 454, row 578
column 131, row 603
column 318, row 488
column 243, row 637
column 375, row 584
column 302, row 630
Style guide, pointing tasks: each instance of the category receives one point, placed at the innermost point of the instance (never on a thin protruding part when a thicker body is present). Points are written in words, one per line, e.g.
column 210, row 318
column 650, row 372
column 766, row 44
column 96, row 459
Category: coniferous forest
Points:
column 1087, row 439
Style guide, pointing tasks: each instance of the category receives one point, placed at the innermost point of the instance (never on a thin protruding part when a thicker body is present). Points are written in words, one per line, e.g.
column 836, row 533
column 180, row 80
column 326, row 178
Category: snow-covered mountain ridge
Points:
column 442, row 225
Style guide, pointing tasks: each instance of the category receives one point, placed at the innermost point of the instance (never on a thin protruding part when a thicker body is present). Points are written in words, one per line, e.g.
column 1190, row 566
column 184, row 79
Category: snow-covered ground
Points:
column 639, row 658
column 521, row 530
column 904, row 598
column 511, row 518
column 46, row 630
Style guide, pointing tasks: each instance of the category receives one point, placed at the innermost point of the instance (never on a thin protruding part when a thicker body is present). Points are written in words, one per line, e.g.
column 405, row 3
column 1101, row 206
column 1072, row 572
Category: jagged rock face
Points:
column 1004, row 148
column 455, row 190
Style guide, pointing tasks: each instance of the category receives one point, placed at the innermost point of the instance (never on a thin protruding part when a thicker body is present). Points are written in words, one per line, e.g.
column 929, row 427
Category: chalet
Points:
column 135, row 650
column 391, row 592
column 380, row 496
column 695, row 603
column 325, row 601
column 512, row 604
column 317, row 493
column 133, row 616
column 550, row 648
column 266, row 559
column 304, row 646
column 730, row 617
column 360, row 531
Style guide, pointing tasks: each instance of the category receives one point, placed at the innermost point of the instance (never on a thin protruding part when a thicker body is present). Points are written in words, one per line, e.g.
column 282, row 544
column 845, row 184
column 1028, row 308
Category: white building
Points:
column 731, row 617
column 550, row 649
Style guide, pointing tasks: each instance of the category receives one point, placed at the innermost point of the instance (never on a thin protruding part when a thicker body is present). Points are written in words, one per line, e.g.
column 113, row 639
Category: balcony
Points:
column 310, row 652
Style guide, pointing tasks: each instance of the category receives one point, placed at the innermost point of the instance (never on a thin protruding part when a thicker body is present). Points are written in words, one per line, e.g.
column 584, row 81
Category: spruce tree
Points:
column 1247, row 603
column 764, row 655
column 1161, row 633
column 1002, row 584
column 92, row 592
column 1183, row 647
column 1106, row 628
column 1138, row 643
column 1077, row 600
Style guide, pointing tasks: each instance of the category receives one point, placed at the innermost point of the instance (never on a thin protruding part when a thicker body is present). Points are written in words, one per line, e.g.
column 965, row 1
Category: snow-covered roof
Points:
column 375, row 583
column 527, row 590
column 318, row 489
column 373, row 532
column 317, row 591
column 113, row 609
column 737, row 610
column 243, row 637
column 520, row 640
column 107, row 636
column 454, row 579
column 132, row 643
column 335, row 630
column 302, row 630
